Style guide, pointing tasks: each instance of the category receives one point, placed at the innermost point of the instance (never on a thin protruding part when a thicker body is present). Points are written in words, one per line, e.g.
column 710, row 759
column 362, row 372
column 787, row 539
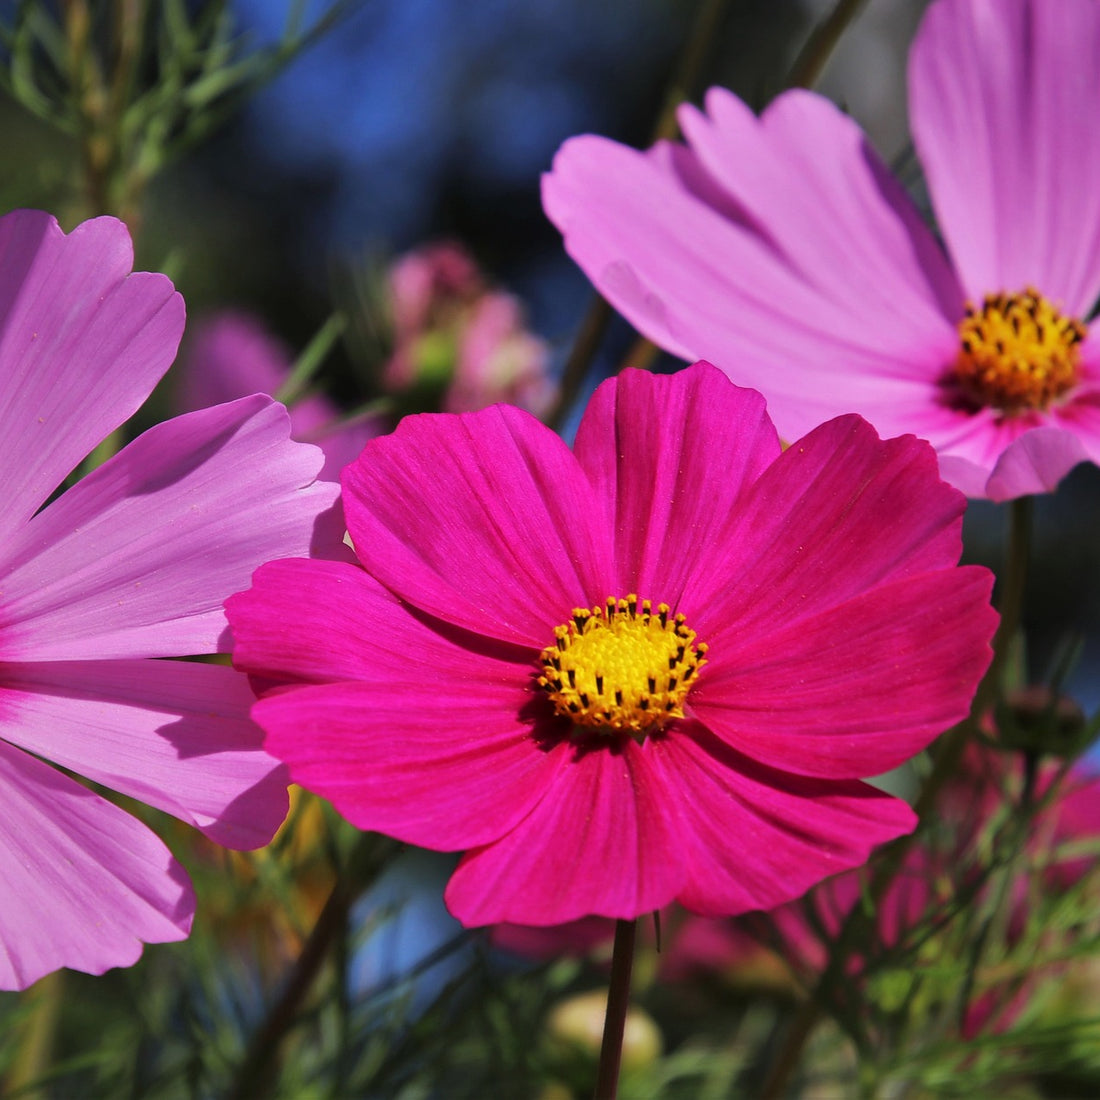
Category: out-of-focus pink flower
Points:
column 454, row 333
column 649, row 668
column 130, row 563
column 782, row 249
column 231, row 355
column 925, row 888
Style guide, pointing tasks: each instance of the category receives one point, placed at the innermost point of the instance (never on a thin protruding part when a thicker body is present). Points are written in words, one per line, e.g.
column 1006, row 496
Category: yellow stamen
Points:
column 622, row 667
column 1018, row 352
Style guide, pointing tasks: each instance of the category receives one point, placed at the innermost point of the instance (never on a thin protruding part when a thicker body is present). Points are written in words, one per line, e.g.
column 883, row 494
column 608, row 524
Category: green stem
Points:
column 948, row 755
column 618, row 997
column 814, row 55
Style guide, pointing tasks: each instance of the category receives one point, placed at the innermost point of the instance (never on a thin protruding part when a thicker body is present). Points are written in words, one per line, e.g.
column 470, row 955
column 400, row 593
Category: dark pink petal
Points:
column 85, row 885
column 650, row 444
column 482, row 519
column 173, row 734
column 445, row 767
column 602, row 842
column 839, row 511
column 704, row 285
column 1004, row 96
column 136, row 559
column 858, row 688
column 83, row 342
column 751, row 837
column 806, row 177
column 326, row 622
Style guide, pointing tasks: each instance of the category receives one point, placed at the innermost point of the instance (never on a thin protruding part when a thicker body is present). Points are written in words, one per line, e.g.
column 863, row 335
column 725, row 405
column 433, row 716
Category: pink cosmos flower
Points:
column 781, row 248
column 232, row 355
column 645, row 669
column 132, row 562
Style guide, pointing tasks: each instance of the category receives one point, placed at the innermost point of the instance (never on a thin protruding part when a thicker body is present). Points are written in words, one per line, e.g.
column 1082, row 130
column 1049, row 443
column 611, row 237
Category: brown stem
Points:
column 815, row 54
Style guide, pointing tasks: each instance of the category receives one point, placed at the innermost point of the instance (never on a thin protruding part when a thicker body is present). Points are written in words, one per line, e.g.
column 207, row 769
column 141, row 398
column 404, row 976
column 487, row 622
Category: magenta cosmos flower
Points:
column 131, row 562
column 645, row 669
column 781, row 248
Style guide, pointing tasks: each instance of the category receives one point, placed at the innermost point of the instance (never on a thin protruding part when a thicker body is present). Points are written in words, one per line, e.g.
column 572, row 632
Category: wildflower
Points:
column 782, row 249
column 647, row 669
column 232, row 355
column 454, row 335
column 131, row 562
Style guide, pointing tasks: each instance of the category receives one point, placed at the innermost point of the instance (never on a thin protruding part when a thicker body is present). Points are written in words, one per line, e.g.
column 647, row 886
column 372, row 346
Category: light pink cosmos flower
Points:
column 781, row 248
column 132, row 562
column 452, row 331
column 232, row 355
column 648, row 668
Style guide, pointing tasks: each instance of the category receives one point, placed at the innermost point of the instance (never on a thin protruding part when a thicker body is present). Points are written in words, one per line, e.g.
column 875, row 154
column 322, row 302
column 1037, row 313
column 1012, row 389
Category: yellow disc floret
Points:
column 1018, row 352
column 622, row 667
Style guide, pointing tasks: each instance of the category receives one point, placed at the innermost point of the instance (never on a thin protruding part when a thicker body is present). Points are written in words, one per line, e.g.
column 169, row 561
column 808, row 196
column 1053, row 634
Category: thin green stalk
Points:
column 948, row 755
column 815, row 54
column 618, row 997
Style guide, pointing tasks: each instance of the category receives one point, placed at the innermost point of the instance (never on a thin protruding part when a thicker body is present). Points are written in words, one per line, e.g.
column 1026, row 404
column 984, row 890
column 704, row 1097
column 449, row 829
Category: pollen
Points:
column 623, row 667
column 1017, row 353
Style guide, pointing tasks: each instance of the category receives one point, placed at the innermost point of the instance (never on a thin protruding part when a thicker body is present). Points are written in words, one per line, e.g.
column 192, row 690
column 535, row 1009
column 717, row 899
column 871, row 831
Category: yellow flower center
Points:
column 1017, row 353
column 622, row 667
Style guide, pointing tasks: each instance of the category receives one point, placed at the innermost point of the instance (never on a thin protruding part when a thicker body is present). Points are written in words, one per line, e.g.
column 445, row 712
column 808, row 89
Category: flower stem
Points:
column 948, row 755
column 814, row 55
column 618, row 996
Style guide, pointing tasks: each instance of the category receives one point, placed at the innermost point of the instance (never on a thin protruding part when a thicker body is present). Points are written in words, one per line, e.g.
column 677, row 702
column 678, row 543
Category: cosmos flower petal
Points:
column 792, row 832
column 860, row 687
column 83, row 342
column 85, row 884
column 705, row 286
column 136, row 558
column 810, row 532
column 1003, row 97
column 600, row 842
column 443, row 767
column 174, row 734
column 1035, row 463
column 325, row 622
column 495, row 488
column 805, row 176
column 668, row 496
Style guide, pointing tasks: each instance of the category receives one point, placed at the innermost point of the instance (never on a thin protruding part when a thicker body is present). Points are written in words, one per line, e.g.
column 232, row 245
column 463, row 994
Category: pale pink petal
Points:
column 327, row 622
column 83, row 342
column 173, row 734
column 445, row 767
column 1003, row 97
column 482, row 519
column 858, row 688
column 705, row 287
column 810, row 532
column 752, row 838
column 1035, row 463
column 136, row 559
column 649, row 445
column 85, row 885
column 805, row 176
column 601, row 842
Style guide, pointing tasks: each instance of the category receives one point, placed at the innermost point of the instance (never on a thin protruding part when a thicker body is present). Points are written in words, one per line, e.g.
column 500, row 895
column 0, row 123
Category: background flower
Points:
column 233, row 355
column 131, row 562
column 419, row 710
column 782, row 249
